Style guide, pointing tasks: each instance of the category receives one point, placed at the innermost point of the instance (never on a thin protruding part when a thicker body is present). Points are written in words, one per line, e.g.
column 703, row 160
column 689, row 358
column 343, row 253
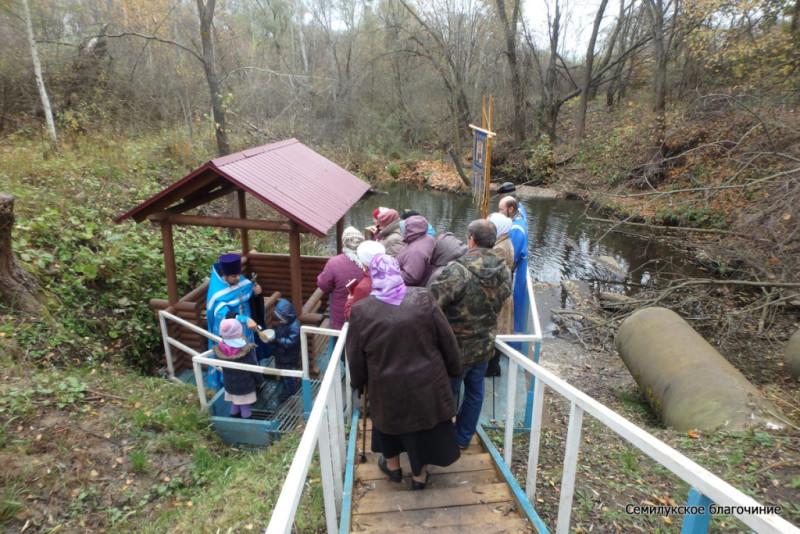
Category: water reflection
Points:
column 563, row 243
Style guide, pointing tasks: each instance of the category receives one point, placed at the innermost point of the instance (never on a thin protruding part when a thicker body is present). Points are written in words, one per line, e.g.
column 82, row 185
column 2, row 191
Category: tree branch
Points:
column 160, row 40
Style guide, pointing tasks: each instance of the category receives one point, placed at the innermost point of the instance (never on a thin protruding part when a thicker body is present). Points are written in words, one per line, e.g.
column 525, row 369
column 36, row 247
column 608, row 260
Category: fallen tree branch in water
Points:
column 663, row 227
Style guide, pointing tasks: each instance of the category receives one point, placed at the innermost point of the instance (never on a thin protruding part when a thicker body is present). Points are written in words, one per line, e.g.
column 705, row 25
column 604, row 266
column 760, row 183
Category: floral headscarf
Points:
column 387, row 281
column 351, row 238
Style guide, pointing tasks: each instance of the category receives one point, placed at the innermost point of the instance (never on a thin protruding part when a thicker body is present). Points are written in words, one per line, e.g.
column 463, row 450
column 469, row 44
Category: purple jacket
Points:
column 413, row 258
column 333, row 279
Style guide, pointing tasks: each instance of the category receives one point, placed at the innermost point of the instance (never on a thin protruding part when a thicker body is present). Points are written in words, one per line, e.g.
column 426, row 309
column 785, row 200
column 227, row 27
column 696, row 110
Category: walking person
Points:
column 471, row 291
column 413, row 258
column 339, row 271
column 505, row 251
column 401, row 347
column 365, row 252
column 518, row 234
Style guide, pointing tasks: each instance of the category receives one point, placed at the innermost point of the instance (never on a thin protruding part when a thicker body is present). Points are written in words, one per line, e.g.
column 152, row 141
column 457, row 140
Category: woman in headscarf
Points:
column 402, row 348
column 504, row 250
column 414, row 257
column 365, row 252
column 338, row 272
column 390, row 235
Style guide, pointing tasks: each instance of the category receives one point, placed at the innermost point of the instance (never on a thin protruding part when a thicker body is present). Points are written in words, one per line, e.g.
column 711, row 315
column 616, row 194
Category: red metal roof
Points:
column 287, row 175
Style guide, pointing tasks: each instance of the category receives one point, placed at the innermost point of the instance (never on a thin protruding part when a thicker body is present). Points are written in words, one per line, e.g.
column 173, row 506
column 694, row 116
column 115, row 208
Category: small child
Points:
column 287, row 343
column 240, row 386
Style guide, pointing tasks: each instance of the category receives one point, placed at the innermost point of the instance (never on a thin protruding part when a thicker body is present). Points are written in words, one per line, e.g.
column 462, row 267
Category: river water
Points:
column 564, row 244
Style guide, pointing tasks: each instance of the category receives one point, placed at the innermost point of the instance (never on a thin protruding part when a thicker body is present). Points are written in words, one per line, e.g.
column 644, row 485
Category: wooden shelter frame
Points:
column 210, row 182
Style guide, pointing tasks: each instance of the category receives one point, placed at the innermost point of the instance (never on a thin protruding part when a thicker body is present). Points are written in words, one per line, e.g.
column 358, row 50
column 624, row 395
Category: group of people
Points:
column 415, row 340
column 235, row 312
column 423, row 311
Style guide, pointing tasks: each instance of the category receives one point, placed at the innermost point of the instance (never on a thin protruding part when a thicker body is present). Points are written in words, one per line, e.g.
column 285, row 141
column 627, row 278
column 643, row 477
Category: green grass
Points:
column 110, row 448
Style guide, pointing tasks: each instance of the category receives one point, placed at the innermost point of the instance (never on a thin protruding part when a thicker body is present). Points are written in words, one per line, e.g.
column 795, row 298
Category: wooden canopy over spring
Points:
column 312, row 192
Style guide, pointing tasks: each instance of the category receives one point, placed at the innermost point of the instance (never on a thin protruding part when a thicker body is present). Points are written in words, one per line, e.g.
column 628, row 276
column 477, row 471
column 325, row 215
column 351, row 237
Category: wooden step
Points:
column 470, row 495
column 482, row 518
column 438, row 480
column 432, row 497
column 468, row 462
column 474, row 446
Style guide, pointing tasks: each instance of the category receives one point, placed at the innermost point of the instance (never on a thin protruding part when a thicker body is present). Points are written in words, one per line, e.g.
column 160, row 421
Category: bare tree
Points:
column 509, row 25
column 550, row 103
column 662, row 30
column 37, row 69
column 452, row 37
column 557, row 83
column 206, row 12
column 580, row 118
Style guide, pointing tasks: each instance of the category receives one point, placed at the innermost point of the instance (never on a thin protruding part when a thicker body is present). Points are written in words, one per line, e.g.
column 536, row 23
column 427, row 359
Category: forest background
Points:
column 679, row 113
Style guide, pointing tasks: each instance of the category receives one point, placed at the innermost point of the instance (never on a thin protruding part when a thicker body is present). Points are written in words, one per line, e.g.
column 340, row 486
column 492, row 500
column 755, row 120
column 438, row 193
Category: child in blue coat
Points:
column 287, row 343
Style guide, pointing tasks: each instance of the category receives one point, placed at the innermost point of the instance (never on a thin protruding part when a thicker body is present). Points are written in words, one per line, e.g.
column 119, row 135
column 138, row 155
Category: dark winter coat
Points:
column 413, row 258
column 333, row 279
column 287, row 336
column 405, row 355
column 236, row 381
column 448, row 248
column 471, row 292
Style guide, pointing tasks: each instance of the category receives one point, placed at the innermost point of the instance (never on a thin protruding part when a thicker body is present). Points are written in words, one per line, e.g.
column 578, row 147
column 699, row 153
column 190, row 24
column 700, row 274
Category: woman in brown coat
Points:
column 401, row 346
column 504, row 250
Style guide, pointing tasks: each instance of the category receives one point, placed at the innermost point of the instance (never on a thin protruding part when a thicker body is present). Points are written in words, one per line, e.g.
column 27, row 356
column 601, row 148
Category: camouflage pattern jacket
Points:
column 471, row 291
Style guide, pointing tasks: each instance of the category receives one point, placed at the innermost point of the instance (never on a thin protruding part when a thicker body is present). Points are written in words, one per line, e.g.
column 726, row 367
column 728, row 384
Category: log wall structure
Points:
column 275, row 280
column 306, row 193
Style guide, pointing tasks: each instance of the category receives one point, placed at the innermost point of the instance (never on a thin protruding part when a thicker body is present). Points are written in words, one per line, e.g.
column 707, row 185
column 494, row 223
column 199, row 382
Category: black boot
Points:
column 493, row 369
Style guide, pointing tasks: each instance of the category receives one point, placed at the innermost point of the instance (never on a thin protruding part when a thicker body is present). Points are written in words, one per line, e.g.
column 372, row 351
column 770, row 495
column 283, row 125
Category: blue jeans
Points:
column 471, row 404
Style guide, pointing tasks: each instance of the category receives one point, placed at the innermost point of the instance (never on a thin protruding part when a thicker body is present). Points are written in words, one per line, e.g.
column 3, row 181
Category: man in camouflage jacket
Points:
column 471, row 291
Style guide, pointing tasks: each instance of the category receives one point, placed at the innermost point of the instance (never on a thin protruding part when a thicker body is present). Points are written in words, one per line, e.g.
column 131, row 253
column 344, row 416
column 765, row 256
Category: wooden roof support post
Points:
column 294, row 266
column 243, row 215
column 169, row 263
column 339, row 232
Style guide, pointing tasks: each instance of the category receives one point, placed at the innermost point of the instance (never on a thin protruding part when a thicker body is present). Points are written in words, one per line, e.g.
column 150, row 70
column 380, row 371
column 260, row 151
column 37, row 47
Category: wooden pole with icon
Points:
column 482, row 159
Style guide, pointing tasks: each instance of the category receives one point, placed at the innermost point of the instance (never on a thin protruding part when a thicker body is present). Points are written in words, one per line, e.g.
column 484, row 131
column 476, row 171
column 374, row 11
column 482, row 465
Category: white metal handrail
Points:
column 327, row 413
column 202, row 358
column 334, row 417
column 696, row 476
column 324, row 431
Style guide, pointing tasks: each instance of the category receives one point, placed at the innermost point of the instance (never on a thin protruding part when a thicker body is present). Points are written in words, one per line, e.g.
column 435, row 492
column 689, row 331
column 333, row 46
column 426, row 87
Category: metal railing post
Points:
column 697, row 523
column 326, row 470
column 201, row 387
column 167, row 348
column 570, row 468
column 533, row 450
column 508, row 440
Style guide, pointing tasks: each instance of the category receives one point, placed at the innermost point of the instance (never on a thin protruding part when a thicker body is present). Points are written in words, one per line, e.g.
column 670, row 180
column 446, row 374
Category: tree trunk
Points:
column 657, row 13
column 517, row 90
column 37, row 69
column 17, row 287
column 551, row 105
column 580, row 119
column 206, row 13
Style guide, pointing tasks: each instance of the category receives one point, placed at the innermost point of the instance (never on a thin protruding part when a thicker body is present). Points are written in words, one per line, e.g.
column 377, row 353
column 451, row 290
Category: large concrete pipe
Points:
column 791, row 354
column 688, row 383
